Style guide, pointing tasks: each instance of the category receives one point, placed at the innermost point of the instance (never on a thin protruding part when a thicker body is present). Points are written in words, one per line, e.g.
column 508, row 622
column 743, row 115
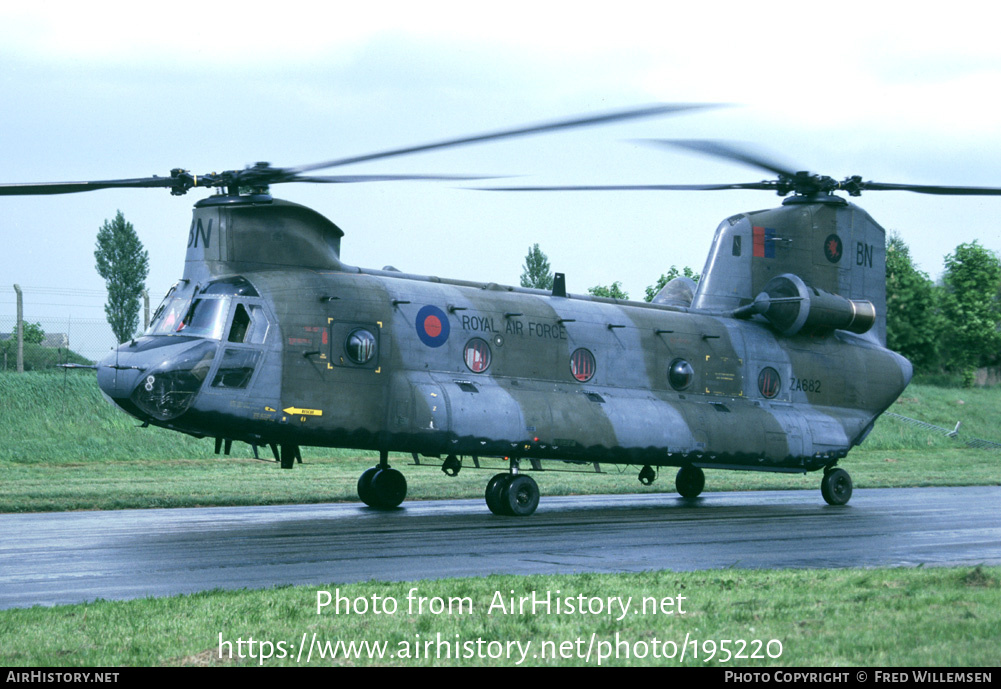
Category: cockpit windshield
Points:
column 203, row 317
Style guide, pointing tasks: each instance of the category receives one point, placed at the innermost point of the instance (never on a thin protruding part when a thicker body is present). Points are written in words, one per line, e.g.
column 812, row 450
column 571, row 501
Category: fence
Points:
column 72, row 322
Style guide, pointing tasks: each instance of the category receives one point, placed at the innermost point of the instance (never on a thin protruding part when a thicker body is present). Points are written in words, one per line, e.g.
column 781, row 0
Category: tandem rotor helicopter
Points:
column 775, row 361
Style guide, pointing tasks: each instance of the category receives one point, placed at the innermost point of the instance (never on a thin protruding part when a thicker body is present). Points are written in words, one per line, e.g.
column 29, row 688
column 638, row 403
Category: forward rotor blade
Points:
column 350, row 179
column 606, row 118
column 726, row 151
column 36, row 189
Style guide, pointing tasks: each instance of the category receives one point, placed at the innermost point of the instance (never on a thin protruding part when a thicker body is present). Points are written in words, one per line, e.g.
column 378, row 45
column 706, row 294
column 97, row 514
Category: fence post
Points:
column 20, row 329
column 145, row 310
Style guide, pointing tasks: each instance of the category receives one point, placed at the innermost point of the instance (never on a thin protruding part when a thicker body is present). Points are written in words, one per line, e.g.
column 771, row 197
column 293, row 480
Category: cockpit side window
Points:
column 250, row 325
column 237, row 368
column 241, row 324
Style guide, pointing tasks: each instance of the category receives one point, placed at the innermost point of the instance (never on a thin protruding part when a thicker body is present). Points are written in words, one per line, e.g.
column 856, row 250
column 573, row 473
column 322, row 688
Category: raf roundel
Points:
column 833, row 248
column 432, row 326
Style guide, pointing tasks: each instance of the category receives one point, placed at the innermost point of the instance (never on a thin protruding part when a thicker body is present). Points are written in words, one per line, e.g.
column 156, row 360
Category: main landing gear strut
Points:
column 512, row 494
column 382, row 486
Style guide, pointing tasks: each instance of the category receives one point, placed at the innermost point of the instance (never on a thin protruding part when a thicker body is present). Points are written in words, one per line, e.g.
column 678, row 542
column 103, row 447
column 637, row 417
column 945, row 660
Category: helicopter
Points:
column 775, row 360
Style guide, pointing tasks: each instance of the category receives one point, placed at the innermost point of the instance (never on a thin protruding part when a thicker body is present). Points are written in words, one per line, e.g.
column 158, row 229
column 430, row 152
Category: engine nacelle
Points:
column 793, row 307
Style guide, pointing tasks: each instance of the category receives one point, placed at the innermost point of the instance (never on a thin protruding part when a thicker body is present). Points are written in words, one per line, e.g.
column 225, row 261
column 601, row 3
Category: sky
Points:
column 111, row 90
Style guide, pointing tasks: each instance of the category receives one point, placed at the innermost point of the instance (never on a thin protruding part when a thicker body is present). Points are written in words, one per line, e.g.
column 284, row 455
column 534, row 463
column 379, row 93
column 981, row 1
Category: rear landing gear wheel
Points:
column 836, row 486
column 365, row 486
column 690, row 481
column 382, row 488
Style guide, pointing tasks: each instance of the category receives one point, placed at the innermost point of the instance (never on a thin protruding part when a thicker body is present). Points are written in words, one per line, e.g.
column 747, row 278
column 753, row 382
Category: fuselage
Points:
column 389, row 361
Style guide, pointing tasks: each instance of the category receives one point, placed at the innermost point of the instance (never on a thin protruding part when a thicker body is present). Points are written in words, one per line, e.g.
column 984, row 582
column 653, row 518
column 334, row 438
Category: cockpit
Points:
column 199, row 338
column 206, row 314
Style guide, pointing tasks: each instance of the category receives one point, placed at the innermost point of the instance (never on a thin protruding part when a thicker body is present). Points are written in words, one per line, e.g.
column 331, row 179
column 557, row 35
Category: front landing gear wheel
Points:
column 382, row 488
column 836, row 486
column 512, row 495
column 690, row 481
column 495, row 489
column 521, row 496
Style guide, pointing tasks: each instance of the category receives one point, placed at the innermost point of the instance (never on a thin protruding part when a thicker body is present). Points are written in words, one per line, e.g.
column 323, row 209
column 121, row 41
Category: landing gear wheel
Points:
column 365, row 486
column 836, row 486
column 495, row 489
column 382, row 488
column 521, row 496
column 690, row 481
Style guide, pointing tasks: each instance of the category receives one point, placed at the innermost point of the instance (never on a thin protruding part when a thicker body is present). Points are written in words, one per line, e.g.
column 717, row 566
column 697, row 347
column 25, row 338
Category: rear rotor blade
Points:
column 643, row 187
column 606, row 118
column 726, row 151
column 931, row 189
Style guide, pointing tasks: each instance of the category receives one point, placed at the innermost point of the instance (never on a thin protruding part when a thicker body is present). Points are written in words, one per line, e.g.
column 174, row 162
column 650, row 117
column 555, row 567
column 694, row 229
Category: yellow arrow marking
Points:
column 296, row 411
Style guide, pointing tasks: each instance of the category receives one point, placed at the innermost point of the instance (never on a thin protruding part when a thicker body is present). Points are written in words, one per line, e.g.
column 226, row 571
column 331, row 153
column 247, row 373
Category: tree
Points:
column 535, row 272
column 913, row 320
column 652, row 290
column 970, row 306
column 614, row 291
column 33, row 333
column 124, row 264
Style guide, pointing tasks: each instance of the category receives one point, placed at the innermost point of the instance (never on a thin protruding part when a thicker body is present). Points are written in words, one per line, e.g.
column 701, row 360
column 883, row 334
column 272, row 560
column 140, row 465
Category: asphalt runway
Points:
column 68, row 557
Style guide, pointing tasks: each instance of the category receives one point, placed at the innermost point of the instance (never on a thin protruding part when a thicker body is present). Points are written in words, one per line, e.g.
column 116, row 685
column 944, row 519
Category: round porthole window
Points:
column 360, row 346
column 769, row 382
column 477, row 355
column 582, row 365
column 680, row 374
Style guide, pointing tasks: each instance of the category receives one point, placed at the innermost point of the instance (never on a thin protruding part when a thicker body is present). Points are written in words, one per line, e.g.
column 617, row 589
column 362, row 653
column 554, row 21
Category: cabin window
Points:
column 736, row 245
column 769, row 382
column 582, row 365
column 680, row 374
column 477, row 355
column 360, row 346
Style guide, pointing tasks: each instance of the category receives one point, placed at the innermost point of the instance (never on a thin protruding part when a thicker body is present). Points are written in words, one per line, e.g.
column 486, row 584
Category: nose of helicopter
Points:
column 155, row 378
column 118, row 373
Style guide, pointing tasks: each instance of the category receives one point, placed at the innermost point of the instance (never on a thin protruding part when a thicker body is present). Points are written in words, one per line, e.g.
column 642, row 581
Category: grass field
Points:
column 65, row 448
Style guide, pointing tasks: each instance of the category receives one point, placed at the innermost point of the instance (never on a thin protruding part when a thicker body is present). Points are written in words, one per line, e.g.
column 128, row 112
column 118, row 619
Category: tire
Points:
column 836, row 487
column 521, row 496
column 389, row 488
column 493, row 494
column 365, row 491
column 690, row 481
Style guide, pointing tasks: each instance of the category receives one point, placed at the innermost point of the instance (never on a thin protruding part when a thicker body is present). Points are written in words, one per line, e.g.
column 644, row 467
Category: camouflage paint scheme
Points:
column 294, row 384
